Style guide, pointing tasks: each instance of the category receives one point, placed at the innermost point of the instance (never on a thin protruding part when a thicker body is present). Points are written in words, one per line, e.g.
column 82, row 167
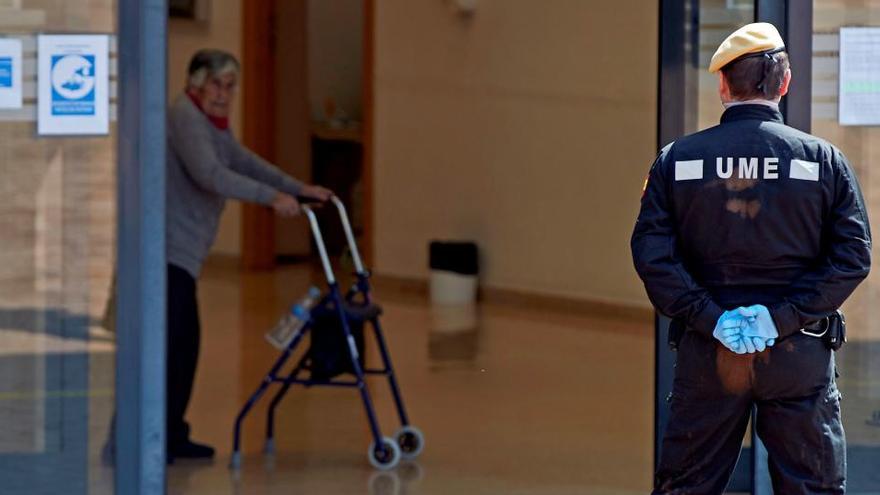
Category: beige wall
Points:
column 529, row 128
column 335, row 45
column 222, row 30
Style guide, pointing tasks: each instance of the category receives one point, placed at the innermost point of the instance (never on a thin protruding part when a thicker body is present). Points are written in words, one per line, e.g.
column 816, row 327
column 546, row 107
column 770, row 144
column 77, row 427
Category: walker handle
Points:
column 349, row 235
column 319, row 241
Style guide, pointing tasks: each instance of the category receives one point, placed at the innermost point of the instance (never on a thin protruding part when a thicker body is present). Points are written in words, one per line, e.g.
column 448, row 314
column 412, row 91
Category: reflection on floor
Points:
column 512, row 401
column 522, row 403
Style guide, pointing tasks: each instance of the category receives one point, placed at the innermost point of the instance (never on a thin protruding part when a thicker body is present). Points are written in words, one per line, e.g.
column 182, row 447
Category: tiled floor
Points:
column 512, row 401
column 521, row 403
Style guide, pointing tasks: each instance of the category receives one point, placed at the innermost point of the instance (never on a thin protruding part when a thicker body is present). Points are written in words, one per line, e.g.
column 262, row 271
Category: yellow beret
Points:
column 752, row 38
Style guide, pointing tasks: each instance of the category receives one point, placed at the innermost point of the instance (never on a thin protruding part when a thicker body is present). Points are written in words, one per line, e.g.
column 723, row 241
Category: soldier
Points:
column 751, row 235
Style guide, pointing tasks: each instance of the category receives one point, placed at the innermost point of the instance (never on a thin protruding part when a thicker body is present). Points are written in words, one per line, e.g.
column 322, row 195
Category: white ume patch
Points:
column 804, row 170
column 753, row 168
column 689, row 170
column 747, row 167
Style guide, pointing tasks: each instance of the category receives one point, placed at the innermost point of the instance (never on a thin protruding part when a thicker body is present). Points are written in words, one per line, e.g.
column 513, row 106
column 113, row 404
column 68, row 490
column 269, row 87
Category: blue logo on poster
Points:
column 5, row 72
column 73, row 85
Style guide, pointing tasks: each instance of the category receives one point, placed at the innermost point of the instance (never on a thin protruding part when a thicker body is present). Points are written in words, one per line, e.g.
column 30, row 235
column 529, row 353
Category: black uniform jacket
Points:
column 751, row 211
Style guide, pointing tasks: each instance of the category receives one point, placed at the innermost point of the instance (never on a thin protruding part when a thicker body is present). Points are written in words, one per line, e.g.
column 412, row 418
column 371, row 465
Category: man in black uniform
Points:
column 751, row 235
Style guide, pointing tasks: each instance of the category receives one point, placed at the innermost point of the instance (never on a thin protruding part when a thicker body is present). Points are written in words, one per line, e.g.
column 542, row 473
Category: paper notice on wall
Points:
column 10, row 73
column 74, row 81
column 859, row 98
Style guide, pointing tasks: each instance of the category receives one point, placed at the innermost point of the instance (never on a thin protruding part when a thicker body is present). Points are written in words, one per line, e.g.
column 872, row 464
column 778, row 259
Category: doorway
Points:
column 308, row 94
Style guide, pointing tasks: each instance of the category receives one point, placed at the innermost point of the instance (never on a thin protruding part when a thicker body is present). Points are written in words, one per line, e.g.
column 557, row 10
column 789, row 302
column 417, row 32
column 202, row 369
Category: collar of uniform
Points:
column 751, row 112
column 766, row 103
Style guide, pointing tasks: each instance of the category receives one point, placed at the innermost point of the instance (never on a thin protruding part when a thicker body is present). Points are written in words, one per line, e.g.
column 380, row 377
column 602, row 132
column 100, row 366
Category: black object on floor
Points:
column 190, row 450
column 456, row 257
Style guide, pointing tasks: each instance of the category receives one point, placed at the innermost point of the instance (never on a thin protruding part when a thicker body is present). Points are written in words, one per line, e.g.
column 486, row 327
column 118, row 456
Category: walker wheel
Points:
column 411, row 441
column 385, row 455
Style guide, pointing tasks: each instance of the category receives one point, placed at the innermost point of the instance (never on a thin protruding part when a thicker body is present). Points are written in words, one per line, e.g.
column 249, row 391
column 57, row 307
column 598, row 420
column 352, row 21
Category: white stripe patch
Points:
column 803, row 170
column 688, row 170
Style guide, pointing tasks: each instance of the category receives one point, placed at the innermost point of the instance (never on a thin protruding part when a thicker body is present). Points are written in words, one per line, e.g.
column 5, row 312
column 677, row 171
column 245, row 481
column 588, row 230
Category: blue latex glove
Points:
column 761, row 330
column 729, row 331
column 749, row 343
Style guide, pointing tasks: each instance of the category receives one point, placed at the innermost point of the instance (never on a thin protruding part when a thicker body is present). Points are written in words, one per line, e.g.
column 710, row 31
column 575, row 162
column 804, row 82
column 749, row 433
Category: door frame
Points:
column 258, row 250
column 141, row 264
column 258, row 124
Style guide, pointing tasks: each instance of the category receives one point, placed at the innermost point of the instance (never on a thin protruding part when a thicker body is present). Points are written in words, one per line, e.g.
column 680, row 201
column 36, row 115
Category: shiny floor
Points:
column 510, row 401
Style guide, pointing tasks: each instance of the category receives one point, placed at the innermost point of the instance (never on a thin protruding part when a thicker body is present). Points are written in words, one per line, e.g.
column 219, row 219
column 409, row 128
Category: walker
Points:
column 356, row 307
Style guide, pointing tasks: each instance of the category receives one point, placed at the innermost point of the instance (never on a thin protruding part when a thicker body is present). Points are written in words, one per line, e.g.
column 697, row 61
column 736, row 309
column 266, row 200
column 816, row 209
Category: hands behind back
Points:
column 746, row 329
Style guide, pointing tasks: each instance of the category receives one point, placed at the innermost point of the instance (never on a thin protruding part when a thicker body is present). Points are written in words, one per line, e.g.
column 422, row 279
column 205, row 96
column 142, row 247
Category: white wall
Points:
column 528, row 128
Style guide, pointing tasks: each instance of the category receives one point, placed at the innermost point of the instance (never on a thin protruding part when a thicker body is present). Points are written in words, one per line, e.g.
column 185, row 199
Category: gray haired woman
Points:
column 205, row 167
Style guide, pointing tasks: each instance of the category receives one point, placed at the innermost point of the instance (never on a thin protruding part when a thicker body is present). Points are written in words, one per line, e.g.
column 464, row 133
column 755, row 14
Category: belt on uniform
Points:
column 816, row 329
column 831, row 329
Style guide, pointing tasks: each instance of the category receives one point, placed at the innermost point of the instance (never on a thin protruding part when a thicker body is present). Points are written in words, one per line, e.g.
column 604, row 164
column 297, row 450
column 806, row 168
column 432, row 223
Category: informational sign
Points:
column 10, row 73
column 74, row 80
column 859, row 98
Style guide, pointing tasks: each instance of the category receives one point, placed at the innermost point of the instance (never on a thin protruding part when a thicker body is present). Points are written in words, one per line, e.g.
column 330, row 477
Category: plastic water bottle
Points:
column 294, row 320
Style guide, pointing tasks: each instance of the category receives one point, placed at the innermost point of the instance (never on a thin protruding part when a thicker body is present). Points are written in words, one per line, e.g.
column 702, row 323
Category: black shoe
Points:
column 191, row 450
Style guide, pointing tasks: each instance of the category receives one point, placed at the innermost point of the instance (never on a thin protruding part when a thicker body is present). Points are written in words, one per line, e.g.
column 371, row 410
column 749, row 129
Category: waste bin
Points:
column 454, row 272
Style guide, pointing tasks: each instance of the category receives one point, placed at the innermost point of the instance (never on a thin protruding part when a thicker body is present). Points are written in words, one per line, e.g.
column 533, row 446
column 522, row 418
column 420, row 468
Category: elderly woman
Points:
column 205, row 167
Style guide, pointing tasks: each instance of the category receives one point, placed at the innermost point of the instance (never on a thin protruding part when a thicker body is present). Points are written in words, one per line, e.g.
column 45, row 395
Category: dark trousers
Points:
column 793, row 387
column 183, row 351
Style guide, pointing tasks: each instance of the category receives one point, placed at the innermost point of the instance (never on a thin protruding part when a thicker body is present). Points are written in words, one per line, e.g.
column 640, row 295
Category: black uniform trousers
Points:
column 793, row 386
column 182, row 351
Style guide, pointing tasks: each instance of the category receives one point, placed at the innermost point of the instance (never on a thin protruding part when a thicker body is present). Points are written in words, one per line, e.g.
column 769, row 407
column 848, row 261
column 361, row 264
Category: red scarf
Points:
column 221, row 123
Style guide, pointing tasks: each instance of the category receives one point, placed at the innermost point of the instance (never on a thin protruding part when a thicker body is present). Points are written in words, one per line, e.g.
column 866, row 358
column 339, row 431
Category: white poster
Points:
column 859, row 98
column 74, row 80
column 10, row 73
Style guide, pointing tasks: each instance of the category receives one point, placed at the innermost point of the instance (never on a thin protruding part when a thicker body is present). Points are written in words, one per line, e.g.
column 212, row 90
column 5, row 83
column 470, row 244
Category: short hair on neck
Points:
column 761, row 77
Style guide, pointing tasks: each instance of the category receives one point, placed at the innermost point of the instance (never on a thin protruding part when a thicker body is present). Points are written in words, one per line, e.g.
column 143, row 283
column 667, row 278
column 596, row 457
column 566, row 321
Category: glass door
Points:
column 845, row 82
column 57, row 224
